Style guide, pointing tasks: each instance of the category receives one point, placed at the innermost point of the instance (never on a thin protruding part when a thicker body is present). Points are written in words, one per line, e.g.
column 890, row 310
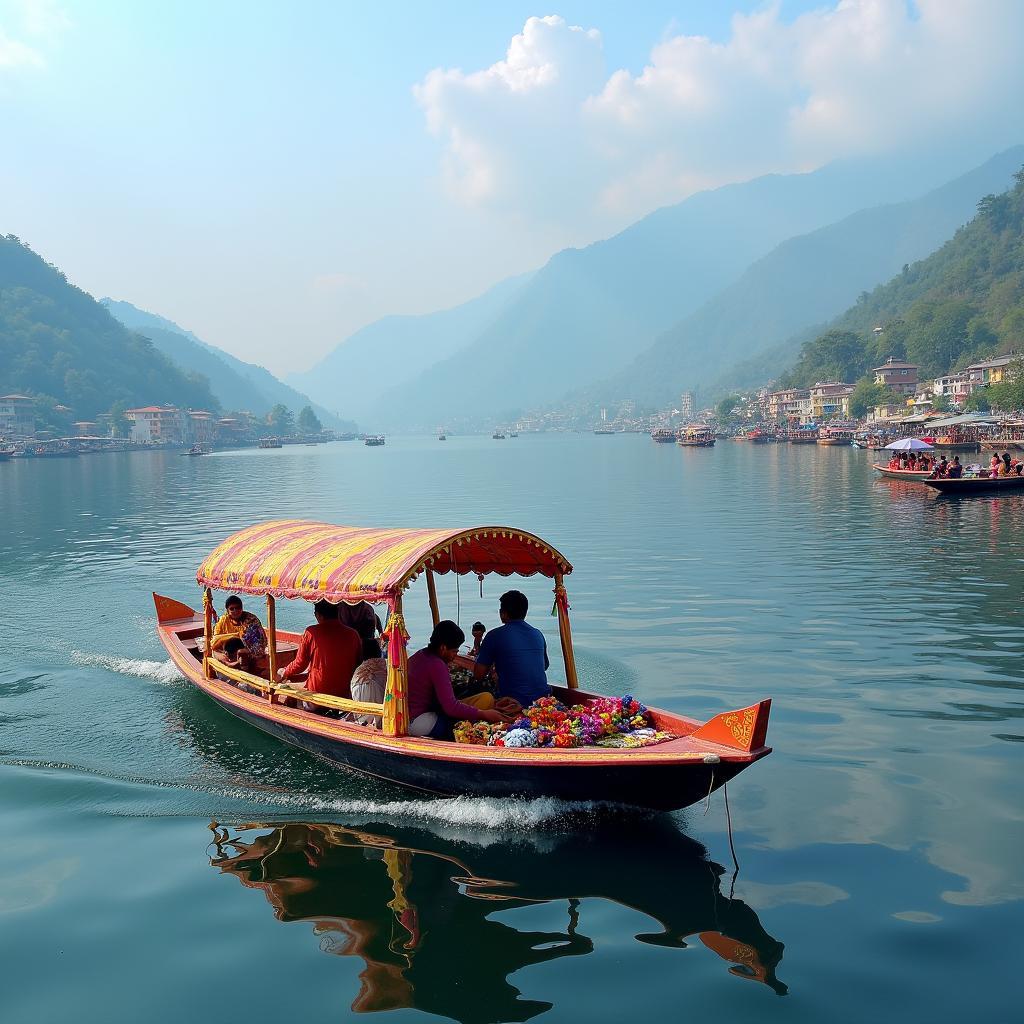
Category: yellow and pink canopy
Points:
column 294, row 558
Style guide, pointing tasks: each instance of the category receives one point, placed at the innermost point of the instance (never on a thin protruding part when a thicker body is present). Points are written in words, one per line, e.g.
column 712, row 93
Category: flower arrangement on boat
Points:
column 605, row 722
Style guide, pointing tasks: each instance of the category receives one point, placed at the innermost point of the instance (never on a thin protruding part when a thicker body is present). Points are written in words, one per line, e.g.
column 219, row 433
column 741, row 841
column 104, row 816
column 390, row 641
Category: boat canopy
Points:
column 296, row 558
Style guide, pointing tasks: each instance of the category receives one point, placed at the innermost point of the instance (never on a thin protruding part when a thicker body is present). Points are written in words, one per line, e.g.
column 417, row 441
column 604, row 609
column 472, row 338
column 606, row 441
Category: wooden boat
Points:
column 835, row 436
column 978, row 484
column 696, row 437
column 901, row 474
column 497, row 436
column 603, row 430
column 6, row 453
column 442, row 437
column 296, row 559
column 374, row 440
column 1007, row 444
column 953, row 444
column 270, row 442
column 802, row 437
column 663, row 436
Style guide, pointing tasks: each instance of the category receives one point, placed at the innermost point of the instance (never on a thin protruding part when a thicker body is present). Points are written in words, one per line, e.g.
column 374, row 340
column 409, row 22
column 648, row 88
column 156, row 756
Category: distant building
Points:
column 991, row 371
column 897, row 376
column 686, row 405
column 17, row 416
column 154, row 424
column 604, row 415
column 86, row 428
column 202, row 426
column 954, row 386
column 830, row 399
column 785, row 404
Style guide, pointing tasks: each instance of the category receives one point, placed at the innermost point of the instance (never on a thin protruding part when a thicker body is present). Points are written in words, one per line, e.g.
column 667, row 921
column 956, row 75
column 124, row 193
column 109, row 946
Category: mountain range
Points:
column 58, row 344
column 801, row 284
column 589, row 312
column 235, row 383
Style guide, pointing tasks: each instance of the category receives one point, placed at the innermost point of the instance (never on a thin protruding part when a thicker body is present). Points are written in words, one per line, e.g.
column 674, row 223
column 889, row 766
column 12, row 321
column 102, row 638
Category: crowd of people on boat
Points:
column 1004, row 465
column 940, row 469
column 922, row 462
column 340, row 655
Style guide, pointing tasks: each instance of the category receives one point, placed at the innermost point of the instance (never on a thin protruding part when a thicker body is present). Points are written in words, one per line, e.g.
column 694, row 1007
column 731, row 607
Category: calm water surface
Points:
column 160, row 860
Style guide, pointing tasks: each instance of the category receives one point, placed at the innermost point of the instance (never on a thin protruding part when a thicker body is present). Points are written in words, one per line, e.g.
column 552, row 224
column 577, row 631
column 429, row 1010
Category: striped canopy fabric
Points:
column 293, row 558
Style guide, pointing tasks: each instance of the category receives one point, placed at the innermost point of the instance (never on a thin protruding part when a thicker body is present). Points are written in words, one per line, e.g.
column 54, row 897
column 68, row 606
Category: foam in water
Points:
column 160, row 671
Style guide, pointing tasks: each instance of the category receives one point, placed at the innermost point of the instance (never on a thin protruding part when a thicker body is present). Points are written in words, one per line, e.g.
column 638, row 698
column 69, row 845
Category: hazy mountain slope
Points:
column 237, row 384
column 57, row 340
column 589, row 312
column 804, row 282
column 353, row 375
column 963, row 303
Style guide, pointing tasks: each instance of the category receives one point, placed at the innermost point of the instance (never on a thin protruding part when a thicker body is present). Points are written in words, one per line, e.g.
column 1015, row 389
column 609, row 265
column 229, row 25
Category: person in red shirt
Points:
column 330, row 650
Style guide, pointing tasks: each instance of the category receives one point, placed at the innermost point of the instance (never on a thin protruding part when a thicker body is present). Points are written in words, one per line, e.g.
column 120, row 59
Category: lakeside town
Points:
column 965, row 403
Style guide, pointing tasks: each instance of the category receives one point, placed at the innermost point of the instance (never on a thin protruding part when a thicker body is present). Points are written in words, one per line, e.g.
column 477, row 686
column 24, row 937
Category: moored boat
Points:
column 295, row 559
column 696, row 437
column 374, row 440
column 901, row 474
column 836, row 436
column 978, row 484
column 663, row 436
column 270, row 442
column 803, row 436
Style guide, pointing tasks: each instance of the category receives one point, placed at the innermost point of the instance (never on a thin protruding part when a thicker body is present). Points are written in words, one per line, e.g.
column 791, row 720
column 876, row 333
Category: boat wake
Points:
column 159, row 671
column 488, row 814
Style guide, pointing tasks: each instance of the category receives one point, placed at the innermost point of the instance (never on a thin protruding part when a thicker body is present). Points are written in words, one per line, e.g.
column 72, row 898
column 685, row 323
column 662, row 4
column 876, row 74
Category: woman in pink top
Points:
column 433, row 706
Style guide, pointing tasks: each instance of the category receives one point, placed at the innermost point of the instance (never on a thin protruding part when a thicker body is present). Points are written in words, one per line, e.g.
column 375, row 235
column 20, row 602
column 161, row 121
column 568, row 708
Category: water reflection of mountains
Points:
column 422, row 911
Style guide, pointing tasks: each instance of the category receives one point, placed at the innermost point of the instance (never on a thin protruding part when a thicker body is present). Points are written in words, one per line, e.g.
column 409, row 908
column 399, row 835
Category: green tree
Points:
column 1008, row 394
column 281, row 420
column 977, row 401
column 726, row 406
column 119, row 426
column 309, row 422
column 940, row 403
column 867, row 394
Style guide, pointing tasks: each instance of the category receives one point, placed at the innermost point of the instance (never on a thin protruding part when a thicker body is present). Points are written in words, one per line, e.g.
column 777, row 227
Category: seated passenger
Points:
column 433, row 707
column 238, row 624
column 477, row 629
column 363, row 619
column 330, row 650
column 518, row 652
column 369, row 681
column 955, row 471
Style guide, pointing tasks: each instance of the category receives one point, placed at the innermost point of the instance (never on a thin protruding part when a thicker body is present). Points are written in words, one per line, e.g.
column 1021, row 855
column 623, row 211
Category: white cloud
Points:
column 27, row 28
column 549, row 133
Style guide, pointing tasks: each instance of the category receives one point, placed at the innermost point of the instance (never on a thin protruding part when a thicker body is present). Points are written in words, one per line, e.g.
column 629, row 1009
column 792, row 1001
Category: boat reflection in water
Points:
column 421, row 910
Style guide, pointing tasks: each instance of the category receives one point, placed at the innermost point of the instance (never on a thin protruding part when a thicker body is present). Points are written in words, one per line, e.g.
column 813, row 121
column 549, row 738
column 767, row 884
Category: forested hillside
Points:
column 235, row 383
column 961, row 304
column 802, row 284
column 58, row 343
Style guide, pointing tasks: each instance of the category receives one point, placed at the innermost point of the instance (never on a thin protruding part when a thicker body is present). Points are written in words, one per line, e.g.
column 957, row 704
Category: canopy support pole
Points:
column 432, row 597
column 272, row 636
column 395, row 721
column 565, row 633
column 207, row 632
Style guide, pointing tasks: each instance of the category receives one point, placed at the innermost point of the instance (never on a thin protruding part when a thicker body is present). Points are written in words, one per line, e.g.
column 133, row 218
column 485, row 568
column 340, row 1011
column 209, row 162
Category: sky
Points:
column 273, row 177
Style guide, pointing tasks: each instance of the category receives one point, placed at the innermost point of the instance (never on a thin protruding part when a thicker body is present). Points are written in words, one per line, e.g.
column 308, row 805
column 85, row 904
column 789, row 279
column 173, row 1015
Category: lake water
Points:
column 161, row 861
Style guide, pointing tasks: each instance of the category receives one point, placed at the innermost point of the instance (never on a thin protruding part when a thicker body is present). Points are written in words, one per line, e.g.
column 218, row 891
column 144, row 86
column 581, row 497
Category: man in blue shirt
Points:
column 517, row 651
